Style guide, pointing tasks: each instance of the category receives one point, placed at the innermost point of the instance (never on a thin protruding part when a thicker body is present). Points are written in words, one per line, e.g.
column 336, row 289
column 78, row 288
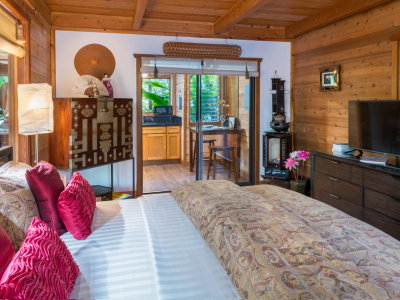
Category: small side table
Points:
column 281, row 182
column 103, row 191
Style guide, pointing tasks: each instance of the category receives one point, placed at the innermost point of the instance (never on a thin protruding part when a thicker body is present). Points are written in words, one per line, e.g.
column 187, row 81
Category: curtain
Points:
column 8, row 36
column 193, row 66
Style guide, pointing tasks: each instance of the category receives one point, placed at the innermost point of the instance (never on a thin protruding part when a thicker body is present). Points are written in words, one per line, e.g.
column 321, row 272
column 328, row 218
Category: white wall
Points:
column 275, row 55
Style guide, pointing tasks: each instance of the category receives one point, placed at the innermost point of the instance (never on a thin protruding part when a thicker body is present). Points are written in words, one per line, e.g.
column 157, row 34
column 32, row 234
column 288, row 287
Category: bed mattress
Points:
column 146, row 248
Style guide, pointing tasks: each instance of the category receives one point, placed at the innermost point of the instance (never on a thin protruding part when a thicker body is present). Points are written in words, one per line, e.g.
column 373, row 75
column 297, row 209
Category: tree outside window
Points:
column 155, row 92
column 209, row 98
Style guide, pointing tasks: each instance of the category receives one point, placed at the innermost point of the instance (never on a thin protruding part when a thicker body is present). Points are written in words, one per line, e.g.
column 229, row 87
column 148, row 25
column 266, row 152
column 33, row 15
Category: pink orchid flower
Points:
column 302, row 155
column 291, row 163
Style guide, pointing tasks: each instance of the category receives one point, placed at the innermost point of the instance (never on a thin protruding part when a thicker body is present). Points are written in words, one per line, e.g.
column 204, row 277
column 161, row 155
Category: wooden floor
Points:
column 161, row 178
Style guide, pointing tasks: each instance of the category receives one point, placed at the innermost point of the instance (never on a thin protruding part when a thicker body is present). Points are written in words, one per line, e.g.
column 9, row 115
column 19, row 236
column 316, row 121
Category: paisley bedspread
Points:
column 278, row 244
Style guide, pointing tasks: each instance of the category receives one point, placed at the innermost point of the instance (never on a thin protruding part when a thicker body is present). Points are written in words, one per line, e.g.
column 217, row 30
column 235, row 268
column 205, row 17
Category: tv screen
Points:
column 375, row 126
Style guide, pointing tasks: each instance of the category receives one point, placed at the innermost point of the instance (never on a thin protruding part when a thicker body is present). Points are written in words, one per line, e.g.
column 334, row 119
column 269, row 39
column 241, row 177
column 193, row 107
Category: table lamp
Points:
column 35, row 111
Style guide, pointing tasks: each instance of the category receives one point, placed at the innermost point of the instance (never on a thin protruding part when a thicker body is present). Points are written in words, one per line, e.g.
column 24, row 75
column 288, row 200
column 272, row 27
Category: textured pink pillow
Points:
column 43, row 268
column 6, row 251
column 76, row 206
column 46, row 186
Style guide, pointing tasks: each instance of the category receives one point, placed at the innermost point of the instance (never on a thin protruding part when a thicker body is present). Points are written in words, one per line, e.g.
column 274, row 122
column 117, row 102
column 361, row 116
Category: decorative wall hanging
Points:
column 95, row 60
column 83, row 85
column 202, row 50
column 329, row 79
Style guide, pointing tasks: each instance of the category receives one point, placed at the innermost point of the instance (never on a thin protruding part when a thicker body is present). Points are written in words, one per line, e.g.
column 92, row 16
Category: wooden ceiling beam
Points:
column 339, row 11
column 241, row 10
column 102, row 23
column 139, row 12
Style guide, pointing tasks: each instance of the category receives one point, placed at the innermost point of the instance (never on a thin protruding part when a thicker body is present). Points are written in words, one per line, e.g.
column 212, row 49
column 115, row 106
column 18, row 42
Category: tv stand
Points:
column 365, row 191
column 360, row 153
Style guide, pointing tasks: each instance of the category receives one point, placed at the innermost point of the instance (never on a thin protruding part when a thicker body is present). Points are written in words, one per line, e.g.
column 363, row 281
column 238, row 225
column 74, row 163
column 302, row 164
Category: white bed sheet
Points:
column 146, row 248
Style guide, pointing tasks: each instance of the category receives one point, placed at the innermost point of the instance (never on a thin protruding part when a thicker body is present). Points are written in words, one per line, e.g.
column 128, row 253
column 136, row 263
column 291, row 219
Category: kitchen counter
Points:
column 149, row 121
column 154, row 124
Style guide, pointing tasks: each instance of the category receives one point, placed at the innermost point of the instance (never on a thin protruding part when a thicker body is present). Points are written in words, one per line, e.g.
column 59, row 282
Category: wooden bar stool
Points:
column 231, row 158
column 210, row 143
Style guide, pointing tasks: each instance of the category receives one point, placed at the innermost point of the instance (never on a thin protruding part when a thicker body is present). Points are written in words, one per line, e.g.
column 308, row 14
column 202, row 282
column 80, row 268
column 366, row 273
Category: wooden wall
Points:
column 360, row 45
column 244, row 117
column 180, row 91
column 40, row 57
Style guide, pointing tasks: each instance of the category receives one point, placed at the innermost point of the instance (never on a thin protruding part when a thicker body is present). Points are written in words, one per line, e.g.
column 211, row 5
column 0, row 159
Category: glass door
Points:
column 224, row 142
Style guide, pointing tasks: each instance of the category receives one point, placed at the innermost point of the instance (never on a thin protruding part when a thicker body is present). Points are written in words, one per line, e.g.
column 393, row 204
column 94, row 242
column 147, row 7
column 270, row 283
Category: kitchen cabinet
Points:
column 161, row 143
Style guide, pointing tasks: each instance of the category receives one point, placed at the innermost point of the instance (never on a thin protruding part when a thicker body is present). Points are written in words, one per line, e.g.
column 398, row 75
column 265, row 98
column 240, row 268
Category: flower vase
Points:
column 299, row 187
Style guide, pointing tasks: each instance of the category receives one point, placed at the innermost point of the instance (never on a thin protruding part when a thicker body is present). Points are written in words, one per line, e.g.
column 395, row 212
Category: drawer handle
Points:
column 395, row 177
column 336, row 162
column 395, row 199
column 394, row 221
column 334, row 196
column 334, row 179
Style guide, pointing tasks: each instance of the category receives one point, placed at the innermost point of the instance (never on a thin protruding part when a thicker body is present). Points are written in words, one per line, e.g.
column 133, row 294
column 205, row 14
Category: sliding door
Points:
column 224, row 143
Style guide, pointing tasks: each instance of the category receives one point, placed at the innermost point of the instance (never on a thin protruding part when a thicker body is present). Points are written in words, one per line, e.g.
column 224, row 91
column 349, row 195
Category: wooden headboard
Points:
column 6, row 155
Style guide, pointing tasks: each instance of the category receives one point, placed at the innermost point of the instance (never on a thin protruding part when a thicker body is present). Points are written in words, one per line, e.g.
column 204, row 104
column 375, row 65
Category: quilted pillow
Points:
column 6, row 251
column 17, row 204
column 76, row 206
column 43, row 268
column 46, row 184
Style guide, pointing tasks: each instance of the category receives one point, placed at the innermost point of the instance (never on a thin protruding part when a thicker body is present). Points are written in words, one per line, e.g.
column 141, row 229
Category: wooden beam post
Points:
column 395, row 70
column 139, row 12
column 237, row 13
column 341, row 10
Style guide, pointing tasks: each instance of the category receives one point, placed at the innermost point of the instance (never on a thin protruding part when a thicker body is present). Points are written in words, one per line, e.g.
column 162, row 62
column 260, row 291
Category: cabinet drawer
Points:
column 381, row 182
column 345, row 190
column 173, row 129
column 332, row 167
column 150, row 130
column 382, row 203
column 345, row 206
column 388, row 225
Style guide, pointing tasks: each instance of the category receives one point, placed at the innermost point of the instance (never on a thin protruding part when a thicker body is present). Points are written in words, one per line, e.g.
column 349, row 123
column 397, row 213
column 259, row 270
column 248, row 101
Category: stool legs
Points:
column 214, row 164
column 209, row 164
column 235, row 163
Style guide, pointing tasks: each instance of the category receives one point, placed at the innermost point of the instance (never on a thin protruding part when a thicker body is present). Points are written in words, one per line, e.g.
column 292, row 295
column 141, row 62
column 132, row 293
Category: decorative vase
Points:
column 299, row 187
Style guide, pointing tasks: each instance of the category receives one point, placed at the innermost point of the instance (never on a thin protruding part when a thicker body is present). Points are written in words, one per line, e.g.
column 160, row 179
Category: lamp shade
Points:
column 35, row 108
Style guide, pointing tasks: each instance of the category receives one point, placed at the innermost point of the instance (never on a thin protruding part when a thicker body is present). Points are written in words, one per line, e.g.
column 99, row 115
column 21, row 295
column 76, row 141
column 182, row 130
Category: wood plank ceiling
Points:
column 231, row 19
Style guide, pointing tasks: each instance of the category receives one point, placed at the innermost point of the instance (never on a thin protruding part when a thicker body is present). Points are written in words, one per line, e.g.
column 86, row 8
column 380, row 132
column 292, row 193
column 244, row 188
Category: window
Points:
column 154, row 92
column 4, row 99
column 209, row 98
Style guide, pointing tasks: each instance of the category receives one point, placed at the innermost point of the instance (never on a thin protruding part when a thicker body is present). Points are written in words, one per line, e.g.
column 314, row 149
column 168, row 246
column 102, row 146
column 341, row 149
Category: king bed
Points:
column 257, row 242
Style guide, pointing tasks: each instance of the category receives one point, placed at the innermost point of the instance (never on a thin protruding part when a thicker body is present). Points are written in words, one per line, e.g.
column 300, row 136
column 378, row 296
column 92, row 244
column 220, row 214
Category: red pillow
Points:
column 76, row 206
column 46, row 185
column 6, row 251
column 43, row 268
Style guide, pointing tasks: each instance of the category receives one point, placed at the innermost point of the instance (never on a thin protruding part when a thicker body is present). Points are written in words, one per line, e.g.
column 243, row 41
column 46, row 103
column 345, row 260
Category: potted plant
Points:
column 224, row 116
column 299, row 183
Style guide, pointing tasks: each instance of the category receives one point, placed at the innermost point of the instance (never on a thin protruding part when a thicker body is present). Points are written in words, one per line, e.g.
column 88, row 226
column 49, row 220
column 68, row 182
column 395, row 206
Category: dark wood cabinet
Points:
column 370, row 193
column 90, row 132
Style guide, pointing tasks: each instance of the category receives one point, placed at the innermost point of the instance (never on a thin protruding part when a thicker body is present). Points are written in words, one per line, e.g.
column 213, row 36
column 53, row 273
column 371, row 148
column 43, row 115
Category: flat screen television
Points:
column 375, row 126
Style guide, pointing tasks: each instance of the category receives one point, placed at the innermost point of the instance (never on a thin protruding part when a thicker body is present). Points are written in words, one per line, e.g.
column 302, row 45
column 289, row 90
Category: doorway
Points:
column 218, row 111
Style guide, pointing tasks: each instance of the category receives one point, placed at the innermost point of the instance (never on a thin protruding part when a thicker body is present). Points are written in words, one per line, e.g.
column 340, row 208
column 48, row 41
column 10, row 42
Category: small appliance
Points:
column 165, row 110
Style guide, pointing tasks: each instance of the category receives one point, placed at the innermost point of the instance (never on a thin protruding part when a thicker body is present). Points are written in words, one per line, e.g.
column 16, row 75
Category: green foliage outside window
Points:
column 209, row 98
column 154, row 92
column 3, row 80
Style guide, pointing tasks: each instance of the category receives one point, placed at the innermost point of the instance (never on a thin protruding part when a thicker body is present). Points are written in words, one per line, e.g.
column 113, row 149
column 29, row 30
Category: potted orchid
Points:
column 293, row 163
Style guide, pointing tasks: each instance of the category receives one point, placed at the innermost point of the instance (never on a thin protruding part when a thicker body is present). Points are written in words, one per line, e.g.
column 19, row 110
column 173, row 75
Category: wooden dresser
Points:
column 367, row 192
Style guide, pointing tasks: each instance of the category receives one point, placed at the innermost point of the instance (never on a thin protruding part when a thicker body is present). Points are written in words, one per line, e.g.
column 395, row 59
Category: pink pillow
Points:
column 76, row 206
column 46, row 185
column 6, row 251
column 43, row 268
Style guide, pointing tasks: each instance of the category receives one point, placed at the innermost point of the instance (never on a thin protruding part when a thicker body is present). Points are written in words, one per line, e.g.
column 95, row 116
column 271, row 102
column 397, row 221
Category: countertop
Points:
column 154, row 124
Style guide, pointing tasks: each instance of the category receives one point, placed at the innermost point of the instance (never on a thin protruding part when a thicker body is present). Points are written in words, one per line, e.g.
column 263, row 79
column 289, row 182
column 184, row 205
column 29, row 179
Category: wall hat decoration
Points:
column 95, row 60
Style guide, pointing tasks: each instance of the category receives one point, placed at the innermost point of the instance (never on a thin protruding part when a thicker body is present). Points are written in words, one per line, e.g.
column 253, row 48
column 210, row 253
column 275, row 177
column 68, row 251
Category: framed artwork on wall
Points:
column 329, row 79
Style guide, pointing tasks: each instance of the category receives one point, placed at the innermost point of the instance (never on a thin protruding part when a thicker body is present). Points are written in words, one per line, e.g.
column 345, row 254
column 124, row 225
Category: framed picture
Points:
column 329, row 79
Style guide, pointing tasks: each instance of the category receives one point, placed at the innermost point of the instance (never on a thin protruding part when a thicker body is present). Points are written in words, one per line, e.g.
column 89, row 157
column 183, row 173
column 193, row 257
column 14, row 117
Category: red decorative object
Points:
column 6, row 251
column 46, row 186
column 42, row 269
column 76, row 206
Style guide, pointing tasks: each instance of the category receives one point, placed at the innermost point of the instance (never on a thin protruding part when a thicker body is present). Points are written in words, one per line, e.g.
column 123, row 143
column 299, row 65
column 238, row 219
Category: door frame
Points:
column 139, row 140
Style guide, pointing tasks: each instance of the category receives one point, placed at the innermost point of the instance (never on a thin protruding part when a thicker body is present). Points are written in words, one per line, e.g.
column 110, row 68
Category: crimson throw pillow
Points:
column 46, row 186
column 43, row 268
column 6, row 251
column 76, row 206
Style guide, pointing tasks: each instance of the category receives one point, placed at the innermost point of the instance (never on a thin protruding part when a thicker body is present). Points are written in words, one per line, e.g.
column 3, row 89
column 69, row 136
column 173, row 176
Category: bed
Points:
column 277, row 244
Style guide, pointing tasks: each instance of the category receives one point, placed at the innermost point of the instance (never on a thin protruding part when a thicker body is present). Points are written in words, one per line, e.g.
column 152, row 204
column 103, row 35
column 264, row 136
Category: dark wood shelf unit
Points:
column 370, row 193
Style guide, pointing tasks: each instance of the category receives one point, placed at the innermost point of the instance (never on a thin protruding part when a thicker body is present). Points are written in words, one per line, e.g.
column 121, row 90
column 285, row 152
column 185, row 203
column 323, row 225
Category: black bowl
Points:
column 279, row 125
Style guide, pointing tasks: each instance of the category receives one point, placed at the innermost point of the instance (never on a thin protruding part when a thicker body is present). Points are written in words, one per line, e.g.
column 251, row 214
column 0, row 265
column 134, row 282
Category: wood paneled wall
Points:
column 360, row 45
column 180, row 91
